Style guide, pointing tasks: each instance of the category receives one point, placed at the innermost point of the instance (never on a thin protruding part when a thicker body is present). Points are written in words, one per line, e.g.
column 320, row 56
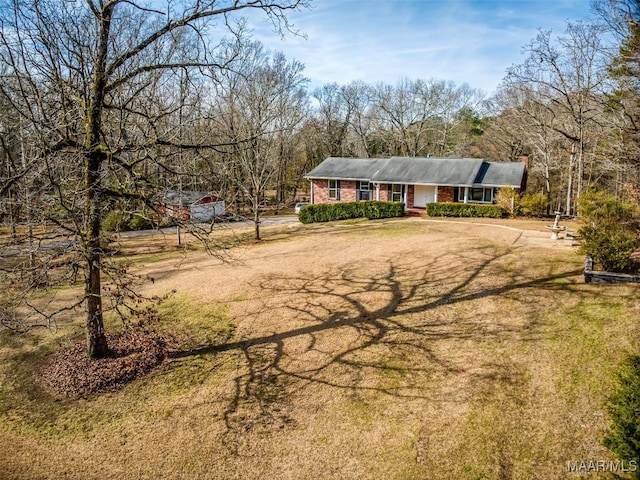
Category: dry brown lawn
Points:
column 369, row 350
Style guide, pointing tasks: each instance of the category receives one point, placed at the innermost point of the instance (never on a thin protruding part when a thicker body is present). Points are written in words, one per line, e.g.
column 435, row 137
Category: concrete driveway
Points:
column 265, row 222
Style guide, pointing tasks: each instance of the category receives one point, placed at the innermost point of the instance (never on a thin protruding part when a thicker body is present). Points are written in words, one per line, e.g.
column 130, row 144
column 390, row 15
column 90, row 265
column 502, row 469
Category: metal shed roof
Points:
column 186, row 197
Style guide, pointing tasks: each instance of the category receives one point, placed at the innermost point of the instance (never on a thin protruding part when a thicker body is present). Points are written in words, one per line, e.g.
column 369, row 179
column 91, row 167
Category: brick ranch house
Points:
column 414, row 181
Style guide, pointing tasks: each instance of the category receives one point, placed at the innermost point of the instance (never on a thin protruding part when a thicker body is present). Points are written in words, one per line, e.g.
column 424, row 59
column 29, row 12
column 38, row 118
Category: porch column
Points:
column 406, row 191
column 377, row 187
column 466, row 194
column 311, row 192
column 435, row 195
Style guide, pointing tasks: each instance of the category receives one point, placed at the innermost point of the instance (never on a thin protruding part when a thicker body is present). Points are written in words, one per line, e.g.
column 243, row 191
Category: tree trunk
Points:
column 580, row 165
column 96, row 339
column 95, row 155
column 256, row 222
column 14, row 217
column 547, row 184
column 569, row 184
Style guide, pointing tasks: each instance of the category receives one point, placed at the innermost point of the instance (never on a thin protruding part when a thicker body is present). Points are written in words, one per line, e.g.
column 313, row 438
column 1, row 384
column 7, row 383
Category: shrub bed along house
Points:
column 448, row 209
column 528, row 205
column 532, row 205
column 326, row 212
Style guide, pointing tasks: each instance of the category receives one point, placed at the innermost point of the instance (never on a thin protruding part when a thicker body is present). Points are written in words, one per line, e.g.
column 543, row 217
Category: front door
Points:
column 423, row 194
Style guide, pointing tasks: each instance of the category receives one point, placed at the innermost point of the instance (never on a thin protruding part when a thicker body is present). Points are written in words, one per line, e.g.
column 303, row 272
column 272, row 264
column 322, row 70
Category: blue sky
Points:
column 467, row 41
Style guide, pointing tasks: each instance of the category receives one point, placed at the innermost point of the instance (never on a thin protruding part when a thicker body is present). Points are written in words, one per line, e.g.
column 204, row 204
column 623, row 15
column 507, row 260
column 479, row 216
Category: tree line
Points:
column 106, row 104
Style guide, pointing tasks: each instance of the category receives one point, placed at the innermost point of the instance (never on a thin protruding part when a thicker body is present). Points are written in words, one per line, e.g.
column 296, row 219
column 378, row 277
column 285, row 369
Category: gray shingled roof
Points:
column 421, row 171
column 500, row 174
column 430, row 171
column 338, row 168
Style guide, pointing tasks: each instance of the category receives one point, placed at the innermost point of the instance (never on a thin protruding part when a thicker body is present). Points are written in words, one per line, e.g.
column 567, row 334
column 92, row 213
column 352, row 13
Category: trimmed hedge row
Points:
column 326, row 212
column 449, row 209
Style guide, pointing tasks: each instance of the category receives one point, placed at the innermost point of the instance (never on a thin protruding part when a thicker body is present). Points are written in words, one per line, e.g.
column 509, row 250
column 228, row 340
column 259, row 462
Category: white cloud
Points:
column 467, row 41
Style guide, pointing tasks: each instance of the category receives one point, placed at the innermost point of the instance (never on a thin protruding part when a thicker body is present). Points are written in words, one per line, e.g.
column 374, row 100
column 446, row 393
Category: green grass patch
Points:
column 204, row 324
column 577, row 350
column 590, row 360
column 399, row 228
column 26, row 410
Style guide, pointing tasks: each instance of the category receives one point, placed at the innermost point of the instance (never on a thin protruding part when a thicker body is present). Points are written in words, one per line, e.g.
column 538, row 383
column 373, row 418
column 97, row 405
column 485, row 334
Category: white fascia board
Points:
column 443, row 184
column 459, row 185
column 483, row 185
column 340, row 178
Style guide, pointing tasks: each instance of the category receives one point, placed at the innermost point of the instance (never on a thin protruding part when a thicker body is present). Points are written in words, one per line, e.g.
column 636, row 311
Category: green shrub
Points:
column 373, row 209
column 533, row 205
column 326, row 212
column 600, row 206
column 609, row 230
column 115, row 221
column 610, row 245
column 139, row 222
column 623, row 437
column 447, row 209
column 509, row 200
column 119, row 221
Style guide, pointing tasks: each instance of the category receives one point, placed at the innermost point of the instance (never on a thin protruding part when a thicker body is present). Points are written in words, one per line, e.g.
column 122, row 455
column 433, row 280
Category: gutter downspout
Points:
column 311, row 192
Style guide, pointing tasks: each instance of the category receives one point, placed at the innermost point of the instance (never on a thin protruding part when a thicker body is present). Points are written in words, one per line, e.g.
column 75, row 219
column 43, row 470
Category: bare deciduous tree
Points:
column 569, row 78
column 262, row 101
column 85, row 78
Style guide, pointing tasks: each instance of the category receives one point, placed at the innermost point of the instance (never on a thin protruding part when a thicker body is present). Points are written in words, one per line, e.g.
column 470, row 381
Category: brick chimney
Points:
column 524, row 159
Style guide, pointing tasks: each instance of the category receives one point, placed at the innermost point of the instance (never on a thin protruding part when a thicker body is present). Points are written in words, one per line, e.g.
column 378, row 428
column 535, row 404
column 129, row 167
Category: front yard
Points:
column 402, row 349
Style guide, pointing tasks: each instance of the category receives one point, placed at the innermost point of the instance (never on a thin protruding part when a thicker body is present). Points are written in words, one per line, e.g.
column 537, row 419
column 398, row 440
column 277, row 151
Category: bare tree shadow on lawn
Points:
column 379, row 327
column 382, row 327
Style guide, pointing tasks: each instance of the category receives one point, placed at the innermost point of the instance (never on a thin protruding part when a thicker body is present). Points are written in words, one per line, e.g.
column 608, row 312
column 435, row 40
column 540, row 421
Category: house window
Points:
column 364, row 191
column 334, row 189
column 476, row 195
column 395, row 193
